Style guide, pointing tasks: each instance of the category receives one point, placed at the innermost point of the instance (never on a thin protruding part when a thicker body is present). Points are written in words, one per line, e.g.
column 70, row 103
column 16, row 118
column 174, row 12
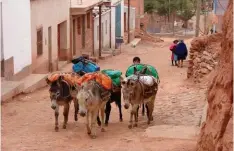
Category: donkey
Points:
column 61, row 94
column 135, row 93
column 92, row 98
column 115, row 97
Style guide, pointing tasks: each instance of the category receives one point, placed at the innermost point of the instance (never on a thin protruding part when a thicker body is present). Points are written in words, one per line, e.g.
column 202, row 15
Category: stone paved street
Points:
column 28, row 121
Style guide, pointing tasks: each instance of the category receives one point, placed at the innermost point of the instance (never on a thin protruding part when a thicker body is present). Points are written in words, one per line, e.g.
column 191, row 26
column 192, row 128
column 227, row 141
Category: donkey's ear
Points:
column 135, row 70
column 121, row 79
column 144, row 70
column 48, row 81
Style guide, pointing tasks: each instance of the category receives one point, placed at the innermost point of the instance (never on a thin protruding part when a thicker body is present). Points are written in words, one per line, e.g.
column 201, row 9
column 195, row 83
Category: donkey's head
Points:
column 59, row 90
column 143, row 71
column 128, row 89
column 87, row 97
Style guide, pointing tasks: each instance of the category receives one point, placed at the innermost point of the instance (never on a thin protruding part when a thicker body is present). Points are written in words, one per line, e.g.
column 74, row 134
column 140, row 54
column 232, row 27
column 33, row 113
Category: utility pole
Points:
column 100, row 30
column 128, row 21
column 198, row 12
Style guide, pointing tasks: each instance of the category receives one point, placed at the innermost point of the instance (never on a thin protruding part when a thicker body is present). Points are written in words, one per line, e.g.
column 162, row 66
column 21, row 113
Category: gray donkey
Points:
column 92, row 98
column 136, row 93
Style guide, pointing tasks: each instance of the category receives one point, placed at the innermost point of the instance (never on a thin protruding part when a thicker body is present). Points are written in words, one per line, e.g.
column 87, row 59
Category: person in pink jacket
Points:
column 173, row 55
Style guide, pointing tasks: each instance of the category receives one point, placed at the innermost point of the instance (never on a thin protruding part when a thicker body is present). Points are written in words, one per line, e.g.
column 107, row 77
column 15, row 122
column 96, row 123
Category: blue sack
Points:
column 86, row 67
column 77, row 60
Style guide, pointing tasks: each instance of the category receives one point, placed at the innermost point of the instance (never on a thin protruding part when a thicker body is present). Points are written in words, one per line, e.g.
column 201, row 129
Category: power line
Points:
column 221, row 5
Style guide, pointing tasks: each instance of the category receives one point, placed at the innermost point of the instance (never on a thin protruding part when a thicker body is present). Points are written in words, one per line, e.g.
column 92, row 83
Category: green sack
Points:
column 114, row 75
column 150, row 70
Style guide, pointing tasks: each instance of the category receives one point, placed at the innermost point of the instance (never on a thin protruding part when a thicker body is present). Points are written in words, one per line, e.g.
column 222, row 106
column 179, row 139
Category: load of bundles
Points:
column 150, row 78
column 71, row 78
column 83, row 65
column 104, row 82
column 115, row 76
column 102, row 79
column 150, row 70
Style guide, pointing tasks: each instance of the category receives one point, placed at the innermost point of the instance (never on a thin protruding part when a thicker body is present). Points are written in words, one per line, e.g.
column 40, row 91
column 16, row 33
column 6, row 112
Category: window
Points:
column 106, row 26
column 78, row 26
column 39, row 42
column 98, row 32
column 88, row 20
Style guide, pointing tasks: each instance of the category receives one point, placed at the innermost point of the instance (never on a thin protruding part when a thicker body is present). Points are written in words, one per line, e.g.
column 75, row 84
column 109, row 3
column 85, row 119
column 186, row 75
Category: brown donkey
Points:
column 61, row 94
column 136, row 93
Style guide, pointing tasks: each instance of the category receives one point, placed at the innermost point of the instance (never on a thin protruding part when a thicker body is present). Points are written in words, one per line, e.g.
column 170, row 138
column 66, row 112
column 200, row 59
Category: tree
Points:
column 185, row 9
column 150, row 6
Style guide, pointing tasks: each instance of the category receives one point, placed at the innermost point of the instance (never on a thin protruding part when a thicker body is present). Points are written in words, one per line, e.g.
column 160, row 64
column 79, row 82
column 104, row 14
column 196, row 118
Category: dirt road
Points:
column 28, row 120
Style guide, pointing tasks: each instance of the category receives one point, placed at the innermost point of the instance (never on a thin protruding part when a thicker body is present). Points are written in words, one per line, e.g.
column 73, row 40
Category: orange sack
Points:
column 69, row 77
column 99, row 77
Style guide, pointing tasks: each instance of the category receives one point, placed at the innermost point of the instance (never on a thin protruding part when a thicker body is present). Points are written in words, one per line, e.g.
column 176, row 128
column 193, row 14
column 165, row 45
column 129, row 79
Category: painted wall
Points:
column 106, row 31
column 45, row 14
column 139, row 6
column 132, row 17
column 122, row 18
column 114, row 3
column 17, row 32
column 1, row 46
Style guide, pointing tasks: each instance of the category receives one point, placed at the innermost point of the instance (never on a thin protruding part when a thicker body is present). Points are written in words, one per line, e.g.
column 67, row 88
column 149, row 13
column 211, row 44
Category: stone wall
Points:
column 203, row 56
column 217, row 131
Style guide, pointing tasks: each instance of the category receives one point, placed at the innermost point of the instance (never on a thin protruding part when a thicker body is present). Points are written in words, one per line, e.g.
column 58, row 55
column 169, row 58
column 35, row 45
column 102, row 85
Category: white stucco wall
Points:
column 46, row 13
column 122, row 18
column 106, row 32
column 1, row 46
column 114, row 3
column 17, row 32
column 132, row 17
column 112, row 27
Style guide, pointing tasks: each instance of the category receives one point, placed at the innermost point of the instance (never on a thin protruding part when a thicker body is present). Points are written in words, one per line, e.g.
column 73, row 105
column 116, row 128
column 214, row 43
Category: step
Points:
column 62, row 64
column 135, row 42
column 9, row 89
column 173, row 131
column 34, row 82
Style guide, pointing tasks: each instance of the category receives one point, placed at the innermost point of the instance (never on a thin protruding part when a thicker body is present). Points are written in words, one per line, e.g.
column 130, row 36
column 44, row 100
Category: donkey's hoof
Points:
column 64, row 126
column 130, row 126
column 121, row 120
column 76, row 118
column 135, row 125
column 151, row 119
column 56, row 129
column 148, row 122
column 99, row 123
column 106, row 124
column 89, row 132
column 93, row 136
column 103, row 130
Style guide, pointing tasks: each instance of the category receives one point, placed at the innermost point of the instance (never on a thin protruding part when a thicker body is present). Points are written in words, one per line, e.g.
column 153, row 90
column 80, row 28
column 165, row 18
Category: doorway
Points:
column 125, row 22
column 62, row 41
column 102, row 46
column 50, row 48
column 74, row 37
